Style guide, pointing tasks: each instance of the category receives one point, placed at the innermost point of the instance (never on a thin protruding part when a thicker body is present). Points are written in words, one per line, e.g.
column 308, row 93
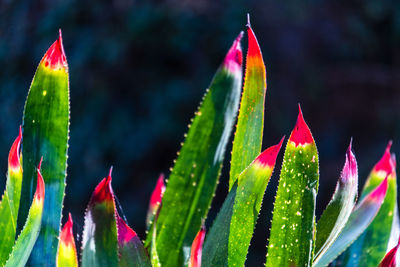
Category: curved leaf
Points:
column 337, row 213
column 360, row 218
column 369, row 249
column 29, row 234
column 229, row 238
column 390, row 258
column 9, row 204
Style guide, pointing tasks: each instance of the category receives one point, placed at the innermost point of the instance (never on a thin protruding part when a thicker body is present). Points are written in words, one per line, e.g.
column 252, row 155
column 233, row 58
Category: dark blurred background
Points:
column 138, row 70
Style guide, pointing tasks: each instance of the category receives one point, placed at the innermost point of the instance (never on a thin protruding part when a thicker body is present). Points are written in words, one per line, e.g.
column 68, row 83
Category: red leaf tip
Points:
column 350, row 171
column 125, row 233
column 268, row 157
column 55, row 58
column 254, row 56
column 386, row 164
column 67, row 235
column 197, row 247
column 14, row 156
column 301, row 134
column 158, row 192
column 39, row 194
column 379, row 192
column 103, row 191
column 234, row 58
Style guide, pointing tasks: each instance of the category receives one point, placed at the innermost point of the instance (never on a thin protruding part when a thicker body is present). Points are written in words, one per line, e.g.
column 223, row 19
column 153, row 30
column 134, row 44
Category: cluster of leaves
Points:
column 348, row 233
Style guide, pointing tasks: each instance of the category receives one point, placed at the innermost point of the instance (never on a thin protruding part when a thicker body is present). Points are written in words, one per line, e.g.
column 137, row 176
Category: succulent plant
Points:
column 348, row 233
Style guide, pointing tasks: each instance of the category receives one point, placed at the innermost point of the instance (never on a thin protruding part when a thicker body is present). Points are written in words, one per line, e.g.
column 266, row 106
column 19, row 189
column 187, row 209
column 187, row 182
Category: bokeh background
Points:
column 138, row 70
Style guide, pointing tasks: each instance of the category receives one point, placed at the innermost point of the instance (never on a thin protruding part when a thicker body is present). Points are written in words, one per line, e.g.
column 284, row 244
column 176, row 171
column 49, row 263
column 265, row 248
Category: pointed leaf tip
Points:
column 234, row 58
column 55, row 58
column 268, row 157
column 125, row 233
column 158, row 192
column 39, row 194
column 66, row 235
column 14, row 155
column 301, row 134
column 386, row 163
column 350, row 171
column 103, row 191
column 379, row 192
column 254, row 56
column 197, row 247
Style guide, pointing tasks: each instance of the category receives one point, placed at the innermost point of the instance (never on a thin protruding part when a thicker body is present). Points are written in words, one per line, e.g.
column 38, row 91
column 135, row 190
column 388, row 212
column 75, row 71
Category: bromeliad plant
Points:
column 347, row 234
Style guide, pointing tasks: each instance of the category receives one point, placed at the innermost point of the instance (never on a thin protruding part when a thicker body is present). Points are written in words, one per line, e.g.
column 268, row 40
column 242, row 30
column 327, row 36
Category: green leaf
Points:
column 193, row 180
column 9, row 204
column 339, row 209
column 371, row 246
column 249, row 129
column 229, row 238
column 131, row 250
column 99, row 242
column 29, row 234
column 360, row 218
column 46, row 121
column 292, row 232
column 155, row 260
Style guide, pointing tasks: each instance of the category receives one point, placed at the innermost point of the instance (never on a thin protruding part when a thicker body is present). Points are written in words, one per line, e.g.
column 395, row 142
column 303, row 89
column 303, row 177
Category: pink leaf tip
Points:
column 350, row 171
column 379, row 193
column 234, row 59
column 301, row 134
column 197, row 247
column 386, row 164
column 14, row 156
column 103, row 191
column 39, row 194
column 67, row 235
column 158, row 192
column 268, row 157
column 55, row 58
column 125, row 233
column 390, row 258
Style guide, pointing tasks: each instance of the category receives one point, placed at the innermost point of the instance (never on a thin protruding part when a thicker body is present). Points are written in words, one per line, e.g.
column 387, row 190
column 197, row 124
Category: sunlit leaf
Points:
column 229, row 238
column 9, row 204
column 194, row 177
column 29, row 234
column 99, row 242
column 369, row 249
column 249, row 129
column 339, row 208
column 292, row 235
column 66, row 253
column 360, row 218
column 45, row 133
